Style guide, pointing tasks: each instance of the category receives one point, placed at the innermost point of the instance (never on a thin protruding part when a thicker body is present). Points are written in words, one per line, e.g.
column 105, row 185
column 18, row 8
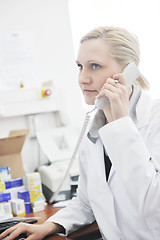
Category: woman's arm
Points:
column 136, row 161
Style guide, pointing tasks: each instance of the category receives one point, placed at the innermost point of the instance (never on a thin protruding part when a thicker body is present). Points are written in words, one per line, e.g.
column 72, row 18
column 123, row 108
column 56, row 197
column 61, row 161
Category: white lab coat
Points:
column 127, row 207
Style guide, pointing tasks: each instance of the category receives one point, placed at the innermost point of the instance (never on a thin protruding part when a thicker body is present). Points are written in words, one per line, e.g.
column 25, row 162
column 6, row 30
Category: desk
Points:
column 85, row 233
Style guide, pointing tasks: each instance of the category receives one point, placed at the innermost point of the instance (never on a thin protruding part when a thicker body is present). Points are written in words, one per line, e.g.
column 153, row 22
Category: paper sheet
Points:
column 17, row 60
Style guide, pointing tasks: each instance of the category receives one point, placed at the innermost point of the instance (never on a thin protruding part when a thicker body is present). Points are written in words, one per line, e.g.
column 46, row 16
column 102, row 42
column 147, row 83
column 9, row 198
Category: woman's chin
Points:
column 89, row 102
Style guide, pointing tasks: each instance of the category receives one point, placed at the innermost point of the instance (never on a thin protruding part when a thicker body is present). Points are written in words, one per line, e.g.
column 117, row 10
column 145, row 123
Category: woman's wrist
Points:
column 52, row 227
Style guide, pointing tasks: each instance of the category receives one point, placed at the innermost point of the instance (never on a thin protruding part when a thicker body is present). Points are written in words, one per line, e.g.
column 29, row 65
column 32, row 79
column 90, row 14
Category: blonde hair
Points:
column 124, row 47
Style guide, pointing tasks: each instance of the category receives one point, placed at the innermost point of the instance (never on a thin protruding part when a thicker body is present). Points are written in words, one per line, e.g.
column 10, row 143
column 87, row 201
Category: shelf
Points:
column 25, row 101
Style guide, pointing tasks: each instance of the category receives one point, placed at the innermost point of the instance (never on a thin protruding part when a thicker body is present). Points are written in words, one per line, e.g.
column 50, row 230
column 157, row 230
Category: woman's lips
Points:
column 89, row 91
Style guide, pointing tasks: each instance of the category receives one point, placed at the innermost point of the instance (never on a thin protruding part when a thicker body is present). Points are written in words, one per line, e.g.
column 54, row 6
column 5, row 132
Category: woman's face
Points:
column 95, row 66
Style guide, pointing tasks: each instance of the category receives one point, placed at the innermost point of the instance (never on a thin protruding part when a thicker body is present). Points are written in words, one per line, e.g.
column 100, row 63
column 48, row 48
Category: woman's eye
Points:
column 95, row 66
column 79, row 66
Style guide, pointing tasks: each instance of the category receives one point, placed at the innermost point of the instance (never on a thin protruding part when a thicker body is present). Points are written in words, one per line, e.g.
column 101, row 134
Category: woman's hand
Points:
column 118, row 93
column 34, row 232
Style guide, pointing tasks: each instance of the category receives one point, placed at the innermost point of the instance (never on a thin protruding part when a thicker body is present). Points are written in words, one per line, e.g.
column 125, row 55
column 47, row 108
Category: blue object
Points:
column 6, row 169
column 18, row 182
column 5, row 197
column 25, row 196
column 28, row 208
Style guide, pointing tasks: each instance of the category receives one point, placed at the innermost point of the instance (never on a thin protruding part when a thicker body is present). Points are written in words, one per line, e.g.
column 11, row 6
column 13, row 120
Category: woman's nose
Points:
column 84, row 77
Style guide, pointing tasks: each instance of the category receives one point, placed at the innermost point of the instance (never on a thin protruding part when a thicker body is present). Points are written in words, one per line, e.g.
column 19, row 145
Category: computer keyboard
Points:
column 5, row 224
column 20, row 237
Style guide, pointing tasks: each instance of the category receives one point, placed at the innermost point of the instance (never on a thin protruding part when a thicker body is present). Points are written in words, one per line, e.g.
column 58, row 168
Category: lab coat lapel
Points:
column 100, row 196
column 112, row 171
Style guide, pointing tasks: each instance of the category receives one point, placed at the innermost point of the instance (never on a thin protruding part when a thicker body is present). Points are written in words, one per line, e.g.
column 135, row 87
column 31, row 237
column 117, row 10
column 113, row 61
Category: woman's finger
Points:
column 112, row 81
column 14, row 231
column 120, row 77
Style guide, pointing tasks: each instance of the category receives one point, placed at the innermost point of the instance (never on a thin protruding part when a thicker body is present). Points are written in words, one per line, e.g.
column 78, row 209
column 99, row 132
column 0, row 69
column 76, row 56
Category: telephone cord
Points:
column 84, row 127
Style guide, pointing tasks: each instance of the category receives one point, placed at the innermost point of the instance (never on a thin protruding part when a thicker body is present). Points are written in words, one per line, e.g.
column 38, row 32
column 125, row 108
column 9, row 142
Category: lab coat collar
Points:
column 143, row 110
column 98, row 122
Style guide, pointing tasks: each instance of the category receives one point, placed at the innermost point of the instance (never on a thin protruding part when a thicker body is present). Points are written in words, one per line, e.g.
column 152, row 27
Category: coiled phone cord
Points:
column 84, row 127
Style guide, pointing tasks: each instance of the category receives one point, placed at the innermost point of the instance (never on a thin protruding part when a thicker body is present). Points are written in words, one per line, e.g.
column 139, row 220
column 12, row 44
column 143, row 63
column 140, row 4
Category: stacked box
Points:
column 5, row 197
column 10, row 152
column 18, row 207
column 25, row 196
column 14, row 186
column 5, row 210
column 17, row 182
column 34, row 186
column 5, row 206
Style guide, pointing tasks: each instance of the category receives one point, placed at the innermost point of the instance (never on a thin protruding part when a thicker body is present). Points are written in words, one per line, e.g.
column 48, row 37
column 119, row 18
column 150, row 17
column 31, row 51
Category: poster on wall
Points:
column 18, row 66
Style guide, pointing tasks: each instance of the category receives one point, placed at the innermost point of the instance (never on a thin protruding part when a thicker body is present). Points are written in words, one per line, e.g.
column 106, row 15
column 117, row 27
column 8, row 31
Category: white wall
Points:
column 140, row 17
column 48, row 21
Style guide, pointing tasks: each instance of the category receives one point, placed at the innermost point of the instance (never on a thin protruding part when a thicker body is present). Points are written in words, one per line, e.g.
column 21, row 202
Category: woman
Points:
column 119, row 183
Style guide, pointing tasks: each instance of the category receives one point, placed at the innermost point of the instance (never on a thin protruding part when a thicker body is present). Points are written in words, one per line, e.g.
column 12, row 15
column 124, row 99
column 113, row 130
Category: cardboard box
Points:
column 10, row 152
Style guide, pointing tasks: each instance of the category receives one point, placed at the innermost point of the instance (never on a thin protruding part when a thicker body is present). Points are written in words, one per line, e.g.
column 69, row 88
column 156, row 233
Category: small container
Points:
column 5, row 174
column 5, row 210
column 18, row 208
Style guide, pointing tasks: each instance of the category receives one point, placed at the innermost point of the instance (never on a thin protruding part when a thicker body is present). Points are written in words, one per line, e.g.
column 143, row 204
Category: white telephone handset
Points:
column 131, row 73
